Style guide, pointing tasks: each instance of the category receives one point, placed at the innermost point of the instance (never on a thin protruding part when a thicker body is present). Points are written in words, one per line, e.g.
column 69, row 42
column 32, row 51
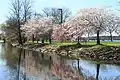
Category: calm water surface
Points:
column 19, row 64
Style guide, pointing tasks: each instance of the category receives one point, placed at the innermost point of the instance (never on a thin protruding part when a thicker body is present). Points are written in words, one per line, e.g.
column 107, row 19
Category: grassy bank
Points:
column 107, row 52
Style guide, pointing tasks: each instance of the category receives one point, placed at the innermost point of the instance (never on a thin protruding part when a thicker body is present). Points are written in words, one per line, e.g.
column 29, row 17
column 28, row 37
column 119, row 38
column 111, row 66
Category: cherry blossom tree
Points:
column 60, row 32
column 118, row 30
column 70, row 30
column 88, row 20
column 112, row 23
column 89, row 30
column 41, row 28
column 94, row 17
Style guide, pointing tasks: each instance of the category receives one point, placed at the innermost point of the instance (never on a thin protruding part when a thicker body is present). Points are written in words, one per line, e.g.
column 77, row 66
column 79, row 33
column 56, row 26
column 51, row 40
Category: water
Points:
column 19, row 64
column 110, row 40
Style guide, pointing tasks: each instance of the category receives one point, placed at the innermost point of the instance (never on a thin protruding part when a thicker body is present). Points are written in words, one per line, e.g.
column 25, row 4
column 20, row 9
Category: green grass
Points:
column 65, row 43
column 104, row 43
column 57, row 43
column 111, row 43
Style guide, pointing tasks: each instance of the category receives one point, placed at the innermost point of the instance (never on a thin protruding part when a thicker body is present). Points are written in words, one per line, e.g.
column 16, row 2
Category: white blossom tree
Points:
column 89, row 30
column 41, row 28
column 88, row 20
column 70, row 30
column 94, row 17
column 117, row 30
column 111, row 25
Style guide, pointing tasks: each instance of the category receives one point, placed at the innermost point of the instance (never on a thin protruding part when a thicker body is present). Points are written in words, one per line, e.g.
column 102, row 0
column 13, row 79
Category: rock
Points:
column 80, row 49
column 69, row 52
column 45, row 51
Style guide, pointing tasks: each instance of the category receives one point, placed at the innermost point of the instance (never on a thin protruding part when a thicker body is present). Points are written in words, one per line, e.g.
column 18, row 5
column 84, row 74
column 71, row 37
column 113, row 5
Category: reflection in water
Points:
column 10, row 59
column 24, row 65
column 64, row 71
column 42, row 55
column 98, row 69
column 30, row 65
column 19, row 60
column 37, row 66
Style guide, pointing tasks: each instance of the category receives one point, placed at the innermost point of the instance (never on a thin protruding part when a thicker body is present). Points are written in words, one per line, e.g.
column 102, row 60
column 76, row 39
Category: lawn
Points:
column 65, row 43
column 104, row 43
column 89, row 43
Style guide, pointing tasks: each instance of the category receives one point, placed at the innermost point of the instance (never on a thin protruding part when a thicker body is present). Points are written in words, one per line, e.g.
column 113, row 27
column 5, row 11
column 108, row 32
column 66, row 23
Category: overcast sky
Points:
column 73, row 5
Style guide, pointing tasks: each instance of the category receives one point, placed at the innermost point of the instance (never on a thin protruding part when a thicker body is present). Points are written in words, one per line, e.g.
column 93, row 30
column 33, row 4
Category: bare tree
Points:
column 55, row 12
column 27, row 9
column 16, row 14
column 20, row 12
column 11, row 30
column 27, row 12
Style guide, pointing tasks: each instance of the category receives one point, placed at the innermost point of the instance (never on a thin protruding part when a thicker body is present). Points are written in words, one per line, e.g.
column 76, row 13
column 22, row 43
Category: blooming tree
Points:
column 112, row 23
column 89, row 30
column 90, row 20
column 70, row 30
column 118, row 31
column 94, row 17
column 41, row 28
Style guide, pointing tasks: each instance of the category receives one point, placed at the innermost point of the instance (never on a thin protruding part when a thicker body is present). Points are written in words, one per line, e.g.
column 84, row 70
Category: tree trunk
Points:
column 50, row 41
column 4, row 40
column 33, row 39
column 20, row 37
column 111, row 37
column 98, row 37
column 88, row 37
column 19, row 33
column 42, row 41
column 37, row 40
column 78, row 41
column 24, row 39
column 18, row 22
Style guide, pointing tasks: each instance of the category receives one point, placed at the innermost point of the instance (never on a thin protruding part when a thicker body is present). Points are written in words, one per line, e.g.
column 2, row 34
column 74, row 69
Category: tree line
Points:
column 55, row 24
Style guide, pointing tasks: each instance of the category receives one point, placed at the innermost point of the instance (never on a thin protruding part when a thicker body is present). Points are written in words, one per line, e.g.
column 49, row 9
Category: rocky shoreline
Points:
column 105, row 54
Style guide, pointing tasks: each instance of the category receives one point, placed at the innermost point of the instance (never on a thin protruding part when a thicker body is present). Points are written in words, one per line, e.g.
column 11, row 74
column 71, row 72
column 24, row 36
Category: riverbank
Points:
column 100, row 53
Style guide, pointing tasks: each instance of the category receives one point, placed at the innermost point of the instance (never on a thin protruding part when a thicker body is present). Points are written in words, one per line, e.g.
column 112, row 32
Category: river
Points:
column 20, row 64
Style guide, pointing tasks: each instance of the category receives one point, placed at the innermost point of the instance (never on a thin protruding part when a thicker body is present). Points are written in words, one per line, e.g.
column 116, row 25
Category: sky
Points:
column 73, row 5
